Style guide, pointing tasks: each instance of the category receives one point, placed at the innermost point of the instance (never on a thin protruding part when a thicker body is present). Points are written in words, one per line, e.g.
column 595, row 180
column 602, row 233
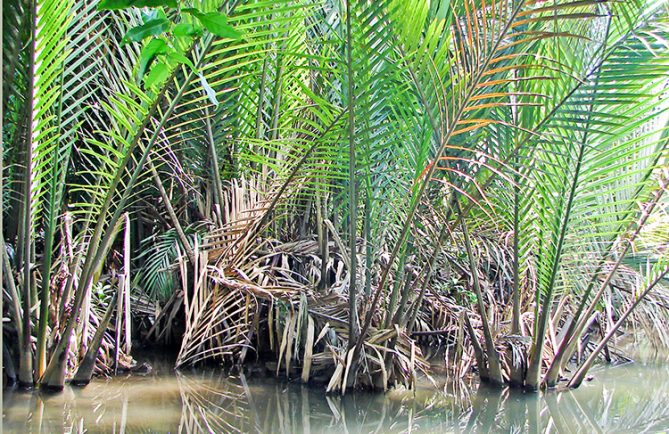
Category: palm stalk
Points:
column 87, row 365
column 544, row 307
column 353, row 327
column 58, row 170
column 215, row 172
column 170, row 211
column 26, row 358
column 494, row 369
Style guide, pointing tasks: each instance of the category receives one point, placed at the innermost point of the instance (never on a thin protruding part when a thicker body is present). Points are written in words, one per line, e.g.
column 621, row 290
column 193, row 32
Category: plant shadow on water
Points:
column 631, row 398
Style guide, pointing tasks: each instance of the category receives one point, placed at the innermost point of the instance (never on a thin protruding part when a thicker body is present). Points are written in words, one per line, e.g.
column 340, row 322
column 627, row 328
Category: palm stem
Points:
column 170, row 211
column 353, row 326
column 578, row 378
column 494, row 367
column 215, row 169
column 26, row 359
column 532, row 378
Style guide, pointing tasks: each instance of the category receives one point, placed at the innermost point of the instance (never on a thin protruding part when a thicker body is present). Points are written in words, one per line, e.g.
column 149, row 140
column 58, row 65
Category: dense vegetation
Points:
column 334, row 186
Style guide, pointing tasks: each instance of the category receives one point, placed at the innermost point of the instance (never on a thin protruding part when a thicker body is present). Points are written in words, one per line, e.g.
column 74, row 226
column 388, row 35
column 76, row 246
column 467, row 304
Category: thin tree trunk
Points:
column 126, row 288
column 26, row 357
column 515, row 321
column 57, row 174
column 516, row 370
column 353, row 326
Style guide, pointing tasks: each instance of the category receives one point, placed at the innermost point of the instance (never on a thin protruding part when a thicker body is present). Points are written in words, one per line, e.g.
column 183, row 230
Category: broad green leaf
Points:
column 180, row 58
column 186, row 29
column 111, row 5
column 158, row 74
column 154, row 3
column 149, row 53
column 217, row 24
column 152, row 28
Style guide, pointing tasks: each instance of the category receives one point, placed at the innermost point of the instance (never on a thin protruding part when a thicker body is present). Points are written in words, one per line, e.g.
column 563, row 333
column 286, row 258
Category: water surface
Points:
column 626, row 399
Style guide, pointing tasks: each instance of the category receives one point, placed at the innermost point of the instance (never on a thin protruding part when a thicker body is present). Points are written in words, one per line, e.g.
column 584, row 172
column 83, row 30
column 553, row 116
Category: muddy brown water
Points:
column 632, row 398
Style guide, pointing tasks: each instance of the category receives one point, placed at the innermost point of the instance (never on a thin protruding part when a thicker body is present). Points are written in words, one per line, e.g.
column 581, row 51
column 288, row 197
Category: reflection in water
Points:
column 632, row 398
